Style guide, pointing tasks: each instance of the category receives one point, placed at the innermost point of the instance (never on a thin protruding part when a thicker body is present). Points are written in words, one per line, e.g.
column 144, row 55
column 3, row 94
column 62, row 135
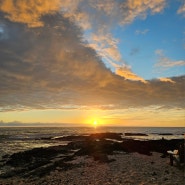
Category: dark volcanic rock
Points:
column 92, row 146
column 107, row 135
column 101, row 157
column 40, row 161
column 72, row 138
column 36, row 155
column 136, row 146
column 166, row 134
column 135, row 134
column 146, row 147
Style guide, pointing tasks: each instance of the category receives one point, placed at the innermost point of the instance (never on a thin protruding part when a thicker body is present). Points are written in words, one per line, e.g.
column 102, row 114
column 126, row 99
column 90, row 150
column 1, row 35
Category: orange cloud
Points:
column 29, row 11
column 139, row 8
column 128, row 74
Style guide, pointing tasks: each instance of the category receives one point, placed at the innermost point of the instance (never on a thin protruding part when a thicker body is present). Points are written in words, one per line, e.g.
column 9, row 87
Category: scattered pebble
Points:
column 127, row 169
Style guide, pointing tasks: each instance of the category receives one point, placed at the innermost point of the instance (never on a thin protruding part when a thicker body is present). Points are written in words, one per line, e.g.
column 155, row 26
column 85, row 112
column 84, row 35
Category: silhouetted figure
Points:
column 177, row 155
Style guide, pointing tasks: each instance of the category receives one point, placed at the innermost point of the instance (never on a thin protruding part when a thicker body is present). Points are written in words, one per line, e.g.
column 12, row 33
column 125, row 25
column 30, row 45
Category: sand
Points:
column 125, row 169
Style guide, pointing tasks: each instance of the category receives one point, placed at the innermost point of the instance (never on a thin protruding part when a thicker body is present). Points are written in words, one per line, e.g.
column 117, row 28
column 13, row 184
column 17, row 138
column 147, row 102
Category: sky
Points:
column 116, row 62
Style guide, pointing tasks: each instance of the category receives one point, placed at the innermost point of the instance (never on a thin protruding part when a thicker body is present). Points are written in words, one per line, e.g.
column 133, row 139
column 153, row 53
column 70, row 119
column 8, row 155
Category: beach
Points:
column 92, row 92
column 125, row 169
column 97, row 159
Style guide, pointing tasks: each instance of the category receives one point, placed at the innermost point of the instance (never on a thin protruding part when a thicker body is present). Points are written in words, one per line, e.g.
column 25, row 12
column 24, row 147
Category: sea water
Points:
column 15, row 139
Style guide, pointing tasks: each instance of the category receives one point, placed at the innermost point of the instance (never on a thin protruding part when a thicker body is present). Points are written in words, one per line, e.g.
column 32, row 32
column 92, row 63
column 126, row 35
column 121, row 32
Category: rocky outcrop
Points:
column 135, row 134
column 40, row 161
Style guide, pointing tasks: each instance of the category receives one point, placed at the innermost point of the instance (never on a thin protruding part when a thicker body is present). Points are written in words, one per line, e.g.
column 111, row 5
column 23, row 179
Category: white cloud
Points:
column 163, row 79
column 141, row 32
column 166, row 62
column 181, row 10
column 106, row 46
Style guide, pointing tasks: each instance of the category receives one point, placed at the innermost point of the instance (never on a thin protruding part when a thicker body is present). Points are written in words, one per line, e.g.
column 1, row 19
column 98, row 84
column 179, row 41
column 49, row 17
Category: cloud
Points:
column 48, row 65
column 37, row 124
column 101, row 16
column 106, row 46
column 98, row 16
column 126, row 72
column 141, row 32
column 166, row 62
column 132, row 9
column 51, row 66
column 163, row 79
column 134, row 51
column 30, row 11
column 181, row 10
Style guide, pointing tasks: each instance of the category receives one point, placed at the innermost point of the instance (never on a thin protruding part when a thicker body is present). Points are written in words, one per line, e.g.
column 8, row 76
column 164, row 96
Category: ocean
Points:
column 15, row 139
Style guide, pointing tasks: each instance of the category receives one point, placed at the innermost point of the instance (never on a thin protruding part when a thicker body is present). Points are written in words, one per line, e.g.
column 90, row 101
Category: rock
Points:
column 154, row 173
column 36, row 155
column 165, row 134
column 101, row 157
column 135, row 134
column 41, row 161
column 72, row 138
column 76, row 145
column 107, row 135
column 142, row 147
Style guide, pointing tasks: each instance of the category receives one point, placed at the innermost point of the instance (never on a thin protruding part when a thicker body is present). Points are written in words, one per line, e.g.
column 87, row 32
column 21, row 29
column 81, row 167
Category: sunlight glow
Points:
column 95, row 123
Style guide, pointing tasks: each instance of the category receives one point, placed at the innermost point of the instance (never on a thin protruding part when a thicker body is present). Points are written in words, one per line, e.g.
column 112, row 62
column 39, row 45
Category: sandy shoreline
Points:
column 125, row 169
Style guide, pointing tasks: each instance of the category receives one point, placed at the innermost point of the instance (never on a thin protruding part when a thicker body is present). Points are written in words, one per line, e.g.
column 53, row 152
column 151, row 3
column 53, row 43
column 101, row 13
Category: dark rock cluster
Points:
column 41, row 161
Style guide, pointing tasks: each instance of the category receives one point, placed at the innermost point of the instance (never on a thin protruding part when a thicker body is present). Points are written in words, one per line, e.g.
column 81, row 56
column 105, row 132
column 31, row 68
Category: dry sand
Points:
column 127, row 169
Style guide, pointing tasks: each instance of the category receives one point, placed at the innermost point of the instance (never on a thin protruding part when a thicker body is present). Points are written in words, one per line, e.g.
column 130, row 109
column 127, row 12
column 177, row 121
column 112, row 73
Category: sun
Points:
column 95, row 123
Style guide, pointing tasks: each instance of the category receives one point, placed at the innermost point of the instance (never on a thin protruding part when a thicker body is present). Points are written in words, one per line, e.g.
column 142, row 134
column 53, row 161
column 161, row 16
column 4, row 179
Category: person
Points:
column 177, row 155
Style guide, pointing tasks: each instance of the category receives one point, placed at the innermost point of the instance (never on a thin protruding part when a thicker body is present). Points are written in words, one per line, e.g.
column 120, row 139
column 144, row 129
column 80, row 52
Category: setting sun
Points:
column 95, row 123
